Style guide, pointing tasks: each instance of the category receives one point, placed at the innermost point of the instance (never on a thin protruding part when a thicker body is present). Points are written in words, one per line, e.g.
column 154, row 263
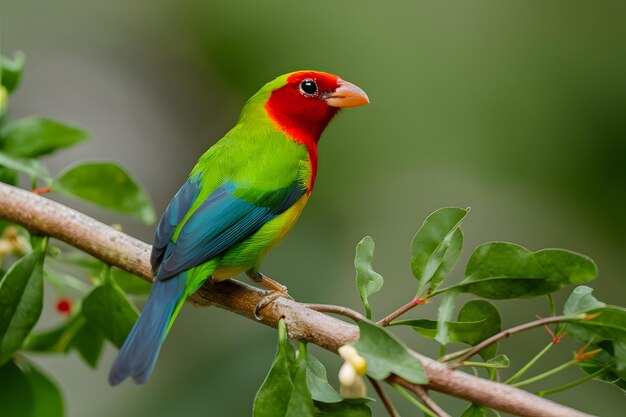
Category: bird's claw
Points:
column 268, row 299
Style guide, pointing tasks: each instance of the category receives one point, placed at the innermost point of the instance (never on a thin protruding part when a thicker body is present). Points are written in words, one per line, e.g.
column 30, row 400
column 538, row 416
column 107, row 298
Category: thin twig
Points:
column 545, row 374
column 420, row 391
column 530, row 363
column 116, row 248
column 330, row 308
column 574, row 383
column 384, row 398
column 507, row 333
column 408, row 306
column 427, row 411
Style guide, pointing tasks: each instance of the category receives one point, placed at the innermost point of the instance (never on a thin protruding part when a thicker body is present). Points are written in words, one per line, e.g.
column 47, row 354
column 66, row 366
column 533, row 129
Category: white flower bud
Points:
column 347, row 352
column 351, row 355
column 347, row 375
column 352, row 383
column 356, row 390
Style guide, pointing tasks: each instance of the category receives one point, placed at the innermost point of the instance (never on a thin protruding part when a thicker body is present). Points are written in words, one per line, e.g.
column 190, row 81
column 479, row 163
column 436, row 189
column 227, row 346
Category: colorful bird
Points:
column 242, row 197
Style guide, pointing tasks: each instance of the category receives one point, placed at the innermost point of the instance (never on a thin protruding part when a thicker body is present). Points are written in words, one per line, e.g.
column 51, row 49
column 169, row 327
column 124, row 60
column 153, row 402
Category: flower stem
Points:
column 545, row 374
column 442, row 351
column 413, row 401
column 574, row 383
column 530, row 363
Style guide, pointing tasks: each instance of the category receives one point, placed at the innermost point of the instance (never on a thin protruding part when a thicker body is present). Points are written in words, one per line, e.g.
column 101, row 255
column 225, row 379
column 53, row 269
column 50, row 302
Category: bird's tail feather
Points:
column 139, row 352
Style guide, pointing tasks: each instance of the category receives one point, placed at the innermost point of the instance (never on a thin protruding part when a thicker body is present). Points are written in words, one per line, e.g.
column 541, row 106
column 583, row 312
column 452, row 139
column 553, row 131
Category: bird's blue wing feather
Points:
column 140, row 350
column 173, row 215
column 220, row 222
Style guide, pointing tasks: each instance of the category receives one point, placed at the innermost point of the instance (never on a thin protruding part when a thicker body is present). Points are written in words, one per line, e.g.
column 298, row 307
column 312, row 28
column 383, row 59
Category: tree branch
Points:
column 45, row 216
column 503, row 335
column 408, row 306
column 342, row 311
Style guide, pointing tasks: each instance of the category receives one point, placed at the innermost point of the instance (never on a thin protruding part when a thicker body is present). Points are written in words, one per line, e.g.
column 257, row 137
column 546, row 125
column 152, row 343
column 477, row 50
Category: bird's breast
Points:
column 249, row 253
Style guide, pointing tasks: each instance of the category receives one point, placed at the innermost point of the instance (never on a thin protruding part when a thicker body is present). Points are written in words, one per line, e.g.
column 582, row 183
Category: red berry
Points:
column 64, row 306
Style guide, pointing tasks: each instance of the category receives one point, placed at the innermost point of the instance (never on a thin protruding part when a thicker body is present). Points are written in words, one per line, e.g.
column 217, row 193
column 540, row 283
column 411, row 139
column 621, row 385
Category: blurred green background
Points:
column 517, row 109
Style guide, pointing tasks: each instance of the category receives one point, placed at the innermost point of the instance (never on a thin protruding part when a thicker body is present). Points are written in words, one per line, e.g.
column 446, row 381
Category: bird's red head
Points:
column 305, row 102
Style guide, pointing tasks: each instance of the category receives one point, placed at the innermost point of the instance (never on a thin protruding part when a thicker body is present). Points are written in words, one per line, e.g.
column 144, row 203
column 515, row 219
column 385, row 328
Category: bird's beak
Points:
column 347, row 95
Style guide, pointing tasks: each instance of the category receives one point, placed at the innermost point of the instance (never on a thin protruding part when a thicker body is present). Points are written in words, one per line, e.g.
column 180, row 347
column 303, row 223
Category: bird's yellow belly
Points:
column 250, row 252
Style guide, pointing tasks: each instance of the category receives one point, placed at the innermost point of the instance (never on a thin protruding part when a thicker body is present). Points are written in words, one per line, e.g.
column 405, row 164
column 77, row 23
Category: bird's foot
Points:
column 277, row 291
column 272, row 295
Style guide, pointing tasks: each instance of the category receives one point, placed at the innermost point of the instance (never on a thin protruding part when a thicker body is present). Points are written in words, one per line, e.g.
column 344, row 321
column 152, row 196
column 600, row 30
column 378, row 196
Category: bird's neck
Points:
column 305, row 137
column 294, row 129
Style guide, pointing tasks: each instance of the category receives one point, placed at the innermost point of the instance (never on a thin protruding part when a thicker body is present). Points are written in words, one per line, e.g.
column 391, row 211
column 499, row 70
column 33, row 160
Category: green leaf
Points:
column 110, row 312
column 272, row 398
column 108, row 185
column 36, row 136
column 80, row 259
column 501, row 361
column 11, row 70
column 501, row 270
column 610, row 324
column 30, row 166
column 498, row 362
column 386, row 355
column 130, row 283
column 63, row 281
column 604, row 361
column 342, row 409
column 450, row 258
column 425, row 327
column 89, row 343
column 581, row 301
column 474, row 410
column 48, row 341
column 16, row 394
column 444, row 315
column 300, row 403
column 8, row 176
column 25, row 391
column 604, row 322
column 318, row 384
column 619, row 353
column 74, row 334
column 21, row 292
column 57, row 339
column 436, row 247
column 478, row 320
column 367, row 280
column 48, row 401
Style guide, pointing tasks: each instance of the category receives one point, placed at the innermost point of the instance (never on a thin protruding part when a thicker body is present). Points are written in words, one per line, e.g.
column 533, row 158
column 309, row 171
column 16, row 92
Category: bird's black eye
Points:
column 308, row 87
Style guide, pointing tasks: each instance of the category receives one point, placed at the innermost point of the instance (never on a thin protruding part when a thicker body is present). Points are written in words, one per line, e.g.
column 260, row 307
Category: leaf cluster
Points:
column 496, row 271
column 96, row 294
column 297, row 386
